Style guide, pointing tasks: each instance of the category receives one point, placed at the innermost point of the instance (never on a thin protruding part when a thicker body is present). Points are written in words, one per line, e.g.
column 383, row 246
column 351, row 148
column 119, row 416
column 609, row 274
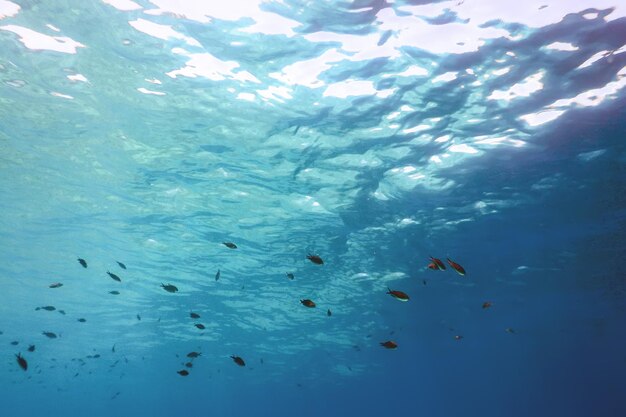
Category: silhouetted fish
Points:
column 169, row 288
column 239, row 361
column 114, row 292
column 31, row 348
column 189, row 365
column 82, row 262
column 82, row 320
column 230, row 245
column 115, row 277
column 55, row 285
column 183, row 372
column 308, row 303
column 62, row 312
column 329, row 313
column 217, row 276
column 486, row 304
column 121, row 265
column 15, row 343
column 21, row 361
column 47, row 308
column 50, row 335
column 194, row 354
column 389, row 344
column 138, row 317
column 398, row 295
column 194, row 315
column 315, row 259
column 290, row 275
column 200, row 326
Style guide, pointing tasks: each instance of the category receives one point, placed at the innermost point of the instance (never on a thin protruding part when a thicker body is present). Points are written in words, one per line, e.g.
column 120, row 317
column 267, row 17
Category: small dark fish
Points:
column 398, row 295
column 438, row 264
column 82, row 320
column 55, row 285
column 115, row 395
column 194, row 315
column 458, row 268
column 113, row 349
column 315, row 259
column 194, row 354
column 189, row 365
column 200, row 326
column 389, row 344
column 50, row 335
column 138, row 317
column 290, row 275
column 262, row 362
column 82, row 262
column 217, row 276
column 486, row 304
column 47, row 308
column 329, row 313
column 114, row 292
column 15, row 343
column 115, row 277
column 308, row 303
column 169, row 288
column 424, row 282
column 96, row 356
column 121, row 265
column 62, row 312
column 31, row 348
column 230, row 245
column 21, row 361
column 183, row 372
column 238, row 360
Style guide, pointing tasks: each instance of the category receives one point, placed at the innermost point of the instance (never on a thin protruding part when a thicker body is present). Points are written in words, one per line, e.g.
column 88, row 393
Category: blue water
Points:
column 373, row 134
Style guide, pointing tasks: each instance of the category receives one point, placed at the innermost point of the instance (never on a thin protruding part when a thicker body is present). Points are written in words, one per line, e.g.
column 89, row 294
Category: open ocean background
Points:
column 372, row 133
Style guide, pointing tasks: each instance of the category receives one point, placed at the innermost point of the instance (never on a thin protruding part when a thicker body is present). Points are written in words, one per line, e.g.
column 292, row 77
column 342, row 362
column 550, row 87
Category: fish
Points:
column 217, row 276
column 200, row 326
column 438, row 263
column 458, row 268
column 194, row 354
column 189, row 365
column 138, row 317
column 398, row 295
column 47, row 308
column 389, row 344
column 15, row 343
column 50, row 335
column 55, row 285
column 238, row 360
column 121, row 265
column 194, row 315
column 486, row 304
column 82, row 320
column 308, row 303
column 290, row 275
column 230, row 245
column 424, row 282
column 183, row 372
column 169, row 288
column 329, row 313
column 62, row 312
column 113, row 348
column 315, row 259
column 82, row 262
column 31, row 348
column 115, row 277
column 114, row 292
column 21, row 361
column 458, row 337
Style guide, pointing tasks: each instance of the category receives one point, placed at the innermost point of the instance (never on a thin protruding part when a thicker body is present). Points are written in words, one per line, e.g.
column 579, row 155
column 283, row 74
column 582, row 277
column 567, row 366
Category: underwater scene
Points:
column 312, row 208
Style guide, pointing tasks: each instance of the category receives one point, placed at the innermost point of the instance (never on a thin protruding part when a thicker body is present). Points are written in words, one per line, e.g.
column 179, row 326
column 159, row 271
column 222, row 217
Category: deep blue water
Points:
column 374, row 134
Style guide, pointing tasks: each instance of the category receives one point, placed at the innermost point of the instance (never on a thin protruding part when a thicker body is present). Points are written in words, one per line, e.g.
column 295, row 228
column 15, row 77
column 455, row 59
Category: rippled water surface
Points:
column 139, row 136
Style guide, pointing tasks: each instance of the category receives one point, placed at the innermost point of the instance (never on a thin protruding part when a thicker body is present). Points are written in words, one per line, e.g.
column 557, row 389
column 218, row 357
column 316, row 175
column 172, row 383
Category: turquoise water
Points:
column 373, row 134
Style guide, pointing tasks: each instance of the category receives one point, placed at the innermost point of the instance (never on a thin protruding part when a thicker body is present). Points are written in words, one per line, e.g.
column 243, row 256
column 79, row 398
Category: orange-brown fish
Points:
column 486, row 304
column 238, row 360
column 458, row 268
column 389, row 344
column 308, row 303
column 21, row 361
column 438, row 263
column 433, row 266
column 398, row 295
column 315, row 259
